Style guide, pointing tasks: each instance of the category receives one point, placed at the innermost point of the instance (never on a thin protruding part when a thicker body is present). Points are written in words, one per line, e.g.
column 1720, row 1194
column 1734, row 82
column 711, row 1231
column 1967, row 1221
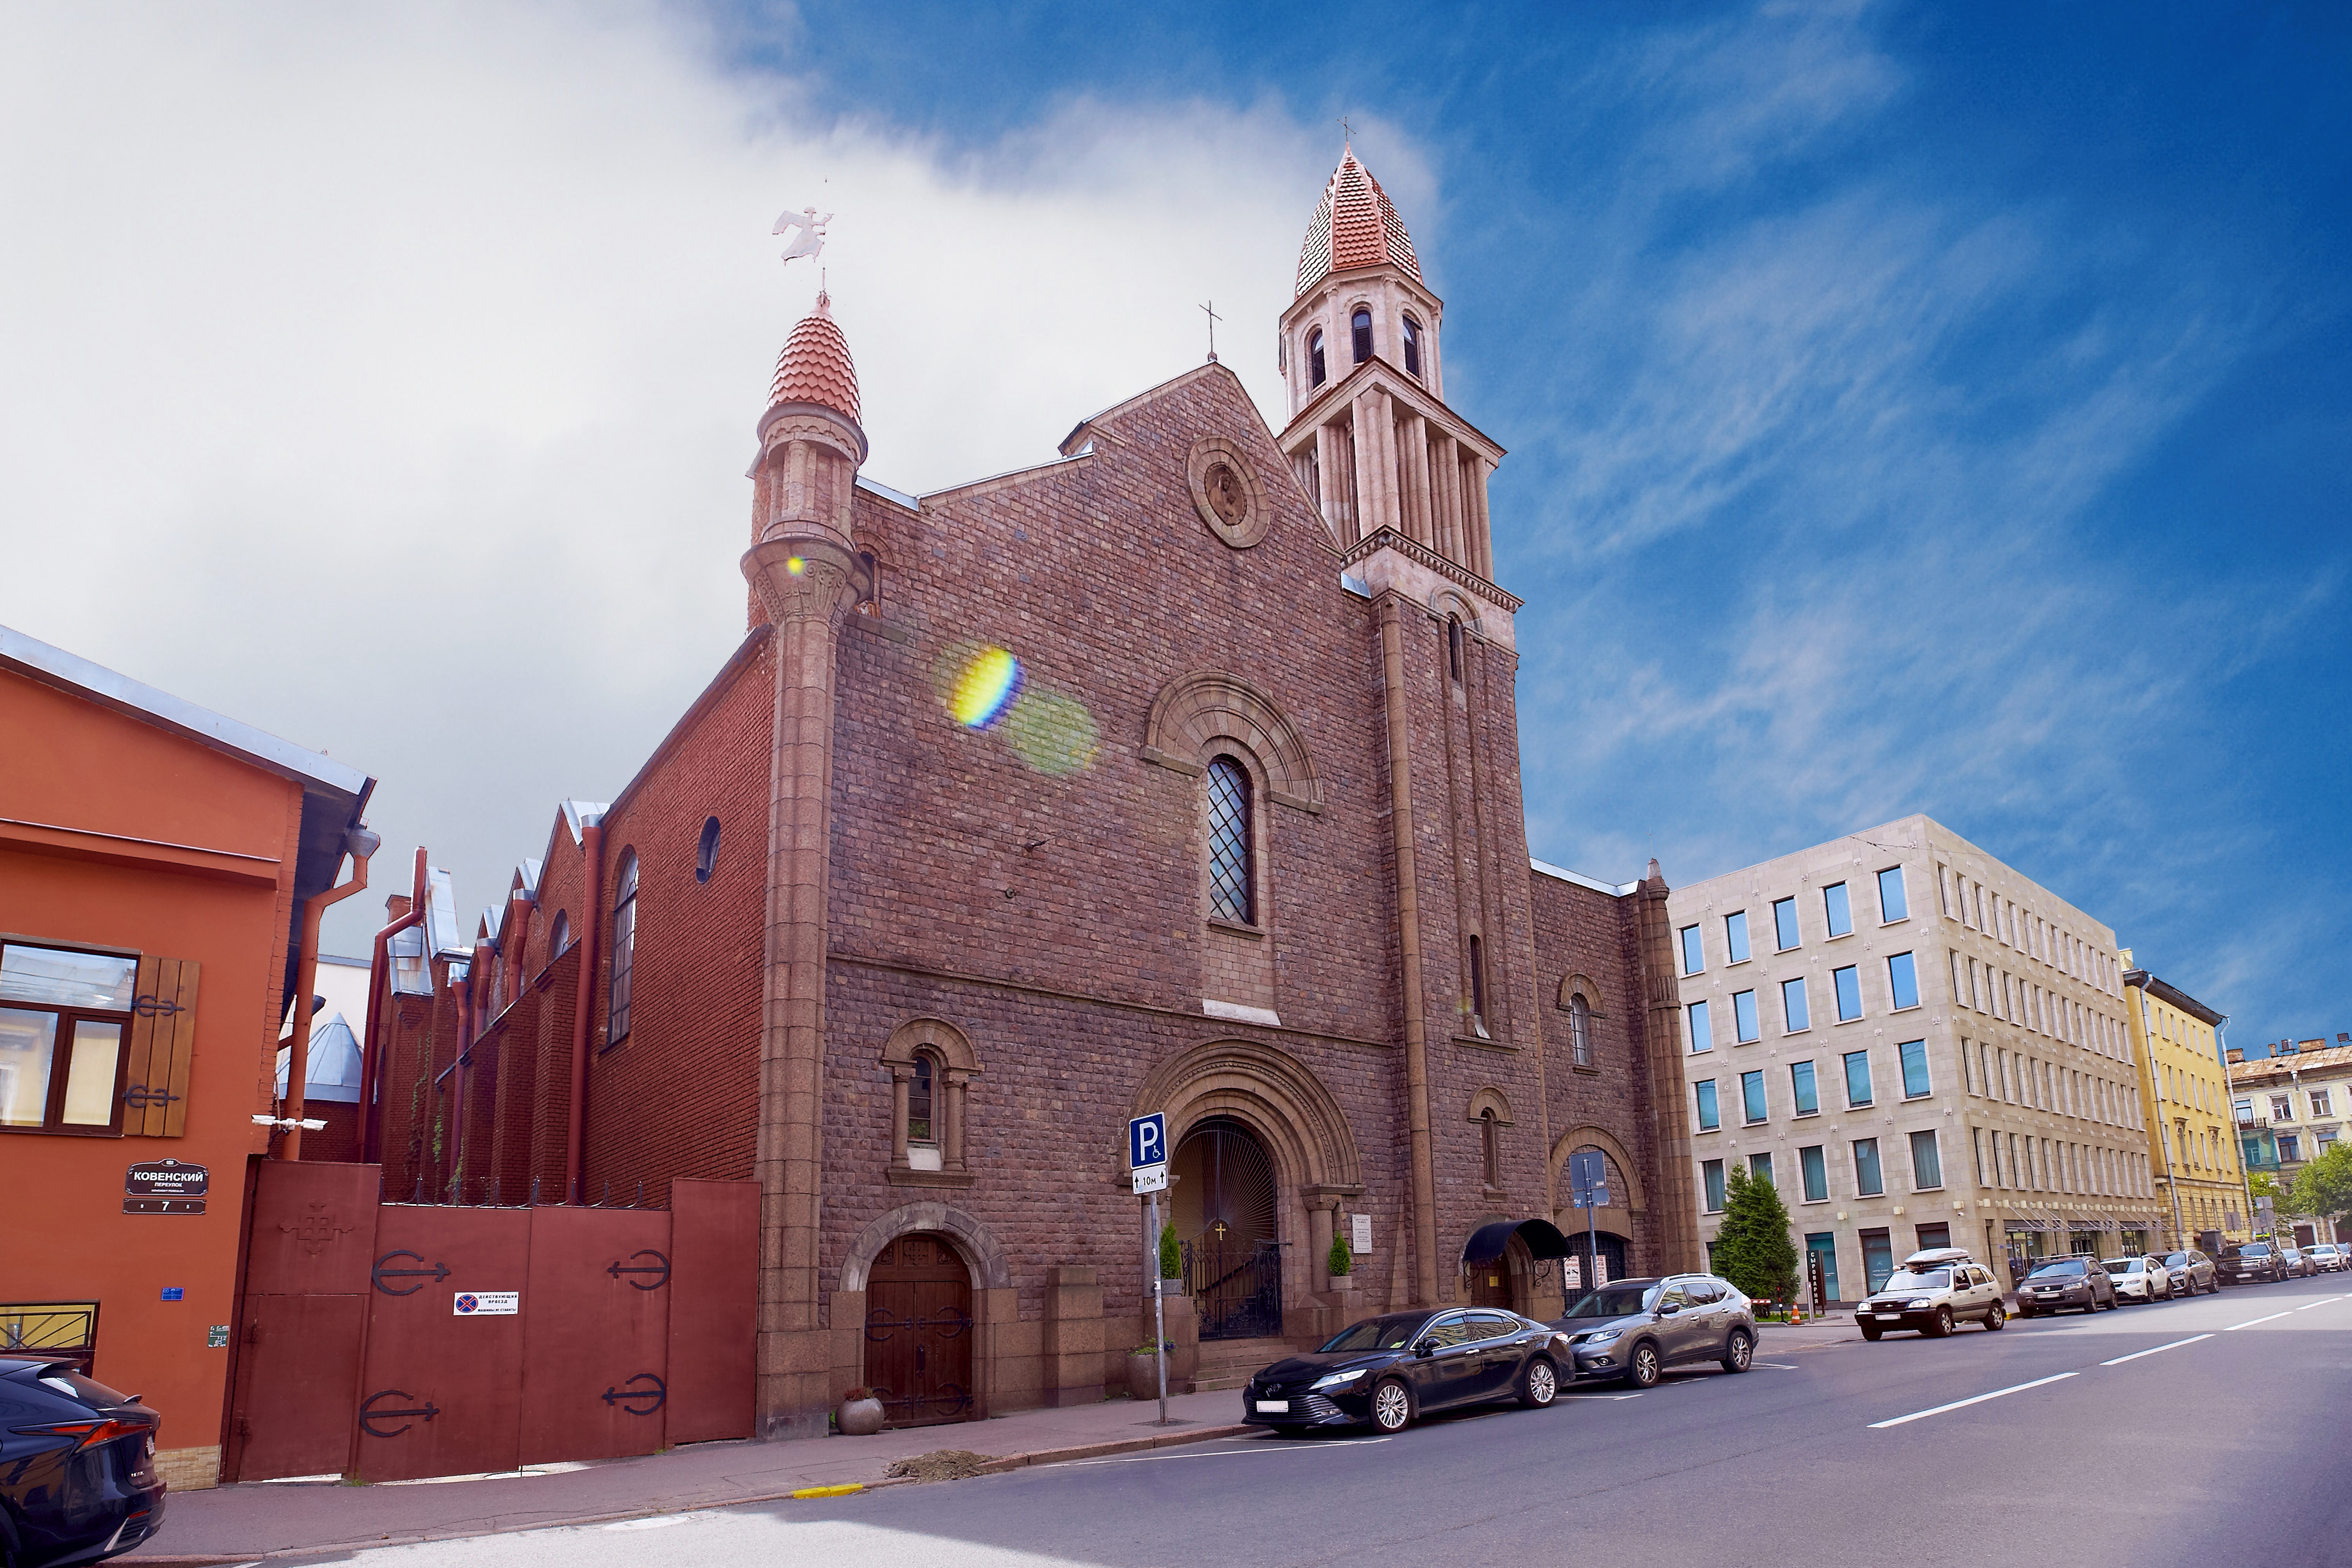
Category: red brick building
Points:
column 1181, row 775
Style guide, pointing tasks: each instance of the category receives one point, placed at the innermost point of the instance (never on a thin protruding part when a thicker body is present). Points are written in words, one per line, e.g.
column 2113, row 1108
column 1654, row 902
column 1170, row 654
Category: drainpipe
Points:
column 591, row 835
column 1417, row 1039
column 359, row 844
column 371, row 1048
column 467, row 1026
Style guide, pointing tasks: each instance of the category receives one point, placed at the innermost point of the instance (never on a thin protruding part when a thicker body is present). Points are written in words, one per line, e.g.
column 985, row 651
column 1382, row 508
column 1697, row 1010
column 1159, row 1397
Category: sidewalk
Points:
column 239, row 1523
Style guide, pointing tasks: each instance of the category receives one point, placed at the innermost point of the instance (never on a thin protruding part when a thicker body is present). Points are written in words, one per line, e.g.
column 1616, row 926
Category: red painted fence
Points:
column 392, row 1341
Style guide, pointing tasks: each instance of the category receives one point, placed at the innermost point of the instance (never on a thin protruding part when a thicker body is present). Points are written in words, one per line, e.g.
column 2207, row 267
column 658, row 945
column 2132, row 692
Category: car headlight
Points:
column 1337, row 1379
column 1600, row 1336
column 1920, row 1305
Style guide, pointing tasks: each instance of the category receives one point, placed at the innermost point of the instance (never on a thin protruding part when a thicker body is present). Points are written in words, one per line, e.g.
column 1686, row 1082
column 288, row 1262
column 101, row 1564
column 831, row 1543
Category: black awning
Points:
column 1487, row 1242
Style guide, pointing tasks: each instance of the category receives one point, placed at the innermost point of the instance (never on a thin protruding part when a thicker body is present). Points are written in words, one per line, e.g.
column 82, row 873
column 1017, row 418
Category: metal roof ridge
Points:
column 1616, row 889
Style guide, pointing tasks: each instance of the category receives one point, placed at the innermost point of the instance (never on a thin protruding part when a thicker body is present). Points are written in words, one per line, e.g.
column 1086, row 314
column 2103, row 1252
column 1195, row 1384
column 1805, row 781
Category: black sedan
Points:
column 77, row 1478
column 1386, row 1370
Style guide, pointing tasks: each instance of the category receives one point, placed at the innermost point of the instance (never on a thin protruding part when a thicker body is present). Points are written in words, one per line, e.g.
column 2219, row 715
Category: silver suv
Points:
column 1633, row 1329
column 1934, row 1291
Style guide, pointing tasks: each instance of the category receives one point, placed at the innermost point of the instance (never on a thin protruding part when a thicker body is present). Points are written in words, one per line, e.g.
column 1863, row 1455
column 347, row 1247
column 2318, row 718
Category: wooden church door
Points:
column 918, row 1331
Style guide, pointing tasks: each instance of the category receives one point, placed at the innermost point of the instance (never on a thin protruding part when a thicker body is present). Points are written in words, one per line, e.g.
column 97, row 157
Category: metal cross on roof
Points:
column 1214, row 319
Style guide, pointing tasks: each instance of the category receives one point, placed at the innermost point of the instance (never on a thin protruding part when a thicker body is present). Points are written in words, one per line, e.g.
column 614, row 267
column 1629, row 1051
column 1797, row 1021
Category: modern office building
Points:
column 2184, row 1091
column 1920, row 1047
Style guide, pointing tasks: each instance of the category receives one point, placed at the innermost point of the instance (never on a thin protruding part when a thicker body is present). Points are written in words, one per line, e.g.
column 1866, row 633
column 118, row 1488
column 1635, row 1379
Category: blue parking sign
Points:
column 1147, row 1140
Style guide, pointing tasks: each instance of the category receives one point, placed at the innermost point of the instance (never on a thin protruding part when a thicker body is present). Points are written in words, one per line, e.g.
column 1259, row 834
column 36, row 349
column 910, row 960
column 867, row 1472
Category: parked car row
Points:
column 2259, row 1262
column 1387, row 1372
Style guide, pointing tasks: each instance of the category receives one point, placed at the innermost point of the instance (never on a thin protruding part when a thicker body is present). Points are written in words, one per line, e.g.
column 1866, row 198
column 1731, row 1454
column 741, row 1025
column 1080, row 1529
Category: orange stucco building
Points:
column 156, row 859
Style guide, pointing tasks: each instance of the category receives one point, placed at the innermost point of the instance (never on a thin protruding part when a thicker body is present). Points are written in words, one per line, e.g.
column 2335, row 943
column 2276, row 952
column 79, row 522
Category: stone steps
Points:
column 1229, row 1363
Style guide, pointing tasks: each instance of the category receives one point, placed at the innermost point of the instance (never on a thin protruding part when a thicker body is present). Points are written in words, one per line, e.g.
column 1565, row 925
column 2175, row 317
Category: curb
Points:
column 994, row 1466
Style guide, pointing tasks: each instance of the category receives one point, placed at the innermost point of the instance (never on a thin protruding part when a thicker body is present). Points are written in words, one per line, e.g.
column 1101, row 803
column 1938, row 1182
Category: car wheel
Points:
column 1391, row 1405
column 2023, row 1310
column 1739, row 1352
column 1942, row 1324
column 1539, row 1385
column 1643, row 1370
column 1870, row 1332
column 1995, row 1317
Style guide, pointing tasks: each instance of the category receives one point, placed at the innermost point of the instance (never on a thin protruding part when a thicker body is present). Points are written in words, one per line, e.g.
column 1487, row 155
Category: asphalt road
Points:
column 2207, row 1431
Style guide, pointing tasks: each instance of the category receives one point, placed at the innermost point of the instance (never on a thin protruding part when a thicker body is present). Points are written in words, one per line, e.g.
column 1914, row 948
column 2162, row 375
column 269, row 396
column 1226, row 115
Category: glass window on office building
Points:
column 1794, row 1012
column 1839, row 909
column 1926, row 1162
column 1857, row 1078
column 1848, row 986
column 1694, row 954
column 1823, row 1245
column 1760, row 1168
column 1734, row 937
column 1903, row 981
column 1894, row 904
column 1813, row 1167
column 1710, row 1117
column 1867, row 1178
column 1807, row 1094
column 1701, row 1039
column 1877, row 1258
column 1743, row 1017
column 1712, row 1171
column 1751, row 1096
column 1784, row 924
column 1914, row 1068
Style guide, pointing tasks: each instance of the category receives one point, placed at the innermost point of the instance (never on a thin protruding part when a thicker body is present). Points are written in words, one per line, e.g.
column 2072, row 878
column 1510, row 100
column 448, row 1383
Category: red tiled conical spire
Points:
column 815, row 366
column 1355, row 225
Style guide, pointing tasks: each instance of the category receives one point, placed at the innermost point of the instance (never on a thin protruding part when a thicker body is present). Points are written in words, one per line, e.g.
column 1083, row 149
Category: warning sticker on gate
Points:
column 488, row 1303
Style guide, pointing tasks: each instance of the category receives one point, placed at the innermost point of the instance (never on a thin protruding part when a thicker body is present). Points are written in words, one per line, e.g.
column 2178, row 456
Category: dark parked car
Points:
column 1386, row 1370
column 1633, row 1329
column 2251, row 1263
column 2064, row 1283
column 77, row 1478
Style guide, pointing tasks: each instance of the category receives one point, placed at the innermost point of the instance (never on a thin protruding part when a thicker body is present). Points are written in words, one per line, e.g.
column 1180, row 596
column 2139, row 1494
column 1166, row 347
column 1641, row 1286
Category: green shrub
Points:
column 1340, row 1261
column 1171, row 1257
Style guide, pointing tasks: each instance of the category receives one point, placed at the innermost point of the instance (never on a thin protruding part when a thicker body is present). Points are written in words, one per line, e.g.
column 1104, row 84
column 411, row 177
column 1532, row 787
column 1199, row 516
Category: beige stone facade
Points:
column 2291, row 1106
column 1925, row 1047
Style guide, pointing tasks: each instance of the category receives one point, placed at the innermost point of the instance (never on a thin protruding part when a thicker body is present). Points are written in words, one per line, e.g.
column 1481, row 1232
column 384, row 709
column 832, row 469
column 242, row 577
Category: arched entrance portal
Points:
column 1223, row 1203
column 919, row 1330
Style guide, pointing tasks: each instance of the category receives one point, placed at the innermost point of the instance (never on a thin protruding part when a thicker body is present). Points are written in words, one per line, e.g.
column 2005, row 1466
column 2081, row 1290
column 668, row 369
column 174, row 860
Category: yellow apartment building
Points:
column 2184, row 1089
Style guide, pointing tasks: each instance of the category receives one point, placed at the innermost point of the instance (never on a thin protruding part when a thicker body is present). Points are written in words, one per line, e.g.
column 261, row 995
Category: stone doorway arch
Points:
column 949, row 1234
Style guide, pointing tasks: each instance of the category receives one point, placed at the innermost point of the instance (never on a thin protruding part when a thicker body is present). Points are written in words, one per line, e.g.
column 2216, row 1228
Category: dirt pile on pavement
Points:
column 939, row 1465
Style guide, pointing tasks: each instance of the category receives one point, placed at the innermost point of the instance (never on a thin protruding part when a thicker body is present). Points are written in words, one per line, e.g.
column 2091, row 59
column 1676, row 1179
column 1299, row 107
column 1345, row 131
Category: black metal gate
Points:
column 1236, row 1286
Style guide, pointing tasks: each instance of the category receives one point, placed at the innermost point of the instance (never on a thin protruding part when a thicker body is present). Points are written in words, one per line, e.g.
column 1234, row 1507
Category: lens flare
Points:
column 1053, row 735
column 796, row 565
column 984, row 686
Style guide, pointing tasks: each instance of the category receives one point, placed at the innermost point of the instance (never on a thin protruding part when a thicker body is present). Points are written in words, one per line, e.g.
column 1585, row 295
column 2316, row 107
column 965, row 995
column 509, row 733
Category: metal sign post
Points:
column 1587, row 1188
column 1147, row 1159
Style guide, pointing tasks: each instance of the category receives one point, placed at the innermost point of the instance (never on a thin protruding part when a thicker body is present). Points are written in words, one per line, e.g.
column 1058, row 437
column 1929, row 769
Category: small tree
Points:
column 2324, row 1187
column 1171, row 1257
column 1752, row 1249
column 1340, row 1261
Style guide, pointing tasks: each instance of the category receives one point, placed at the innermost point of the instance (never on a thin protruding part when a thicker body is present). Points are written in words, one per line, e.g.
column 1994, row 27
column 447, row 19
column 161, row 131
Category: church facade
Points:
column 1178, row 775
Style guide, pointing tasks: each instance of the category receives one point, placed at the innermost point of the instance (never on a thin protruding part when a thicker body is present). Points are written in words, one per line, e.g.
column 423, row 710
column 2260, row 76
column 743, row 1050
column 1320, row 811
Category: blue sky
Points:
column 1911, row 407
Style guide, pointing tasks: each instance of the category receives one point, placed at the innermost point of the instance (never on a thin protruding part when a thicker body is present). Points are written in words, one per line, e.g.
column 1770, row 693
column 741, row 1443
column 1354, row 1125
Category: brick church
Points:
column 1180, row 774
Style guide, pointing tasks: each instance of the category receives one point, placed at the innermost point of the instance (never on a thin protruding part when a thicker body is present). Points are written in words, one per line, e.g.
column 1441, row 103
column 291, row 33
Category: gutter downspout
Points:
column 592, row 844
column 465, row 1028
column 372, row 1050
column 306, row 984
column 1416, row 1037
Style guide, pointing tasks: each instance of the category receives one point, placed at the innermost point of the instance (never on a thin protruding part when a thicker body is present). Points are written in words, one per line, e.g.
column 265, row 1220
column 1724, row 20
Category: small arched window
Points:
column 1580, row 1032
column 1477, row 979
column 1360, row 325
column 559, row 936
column 1454, row 647
column 920, row 1099
column 1231, row 893
column 624, row 948
column 1315, row 371
column 706, row 857
column 1412, row 346
column 1490, row 1134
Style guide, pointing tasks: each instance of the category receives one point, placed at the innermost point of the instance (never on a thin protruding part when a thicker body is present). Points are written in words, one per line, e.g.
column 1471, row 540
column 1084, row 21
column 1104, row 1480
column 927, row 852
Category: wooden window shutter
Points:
column 162, row 1039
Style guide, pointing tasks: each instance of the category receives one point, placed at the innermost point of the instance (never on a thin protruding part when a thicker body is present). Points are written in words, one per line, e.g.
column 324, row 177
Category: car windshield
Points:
column 88, row 1390
column 2057, row 1267
column 1919, row 1279
column 1377, row 1334
column 2254, row 1250
column 2121, row 1265
column 1614, row 1301
column 2178, row 1260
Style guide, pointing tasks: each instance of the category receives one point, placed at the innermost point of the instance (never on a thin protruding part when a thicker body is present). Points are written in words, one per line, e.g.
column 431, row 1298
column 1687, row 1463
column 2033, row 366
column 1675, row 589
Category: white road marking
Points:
column 2173, row 1346
column 1964, row 1403
column 553, row 1467
column 2322, row 1301
column 1256, row 1447
column 1777, row 1365
column 2249, row 1323
column 1600, row 1396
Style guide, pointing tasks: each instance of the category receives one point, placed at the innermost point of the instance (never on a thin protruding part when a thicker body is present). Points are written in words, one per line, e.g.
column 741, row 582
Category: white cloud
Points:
column 385, row 377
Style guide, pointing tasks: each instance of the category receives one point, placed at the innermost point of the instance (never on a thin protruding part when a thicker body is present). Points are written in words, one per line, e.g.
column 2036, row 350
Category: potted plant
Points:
column 859, row 1415
column 1143, row 1370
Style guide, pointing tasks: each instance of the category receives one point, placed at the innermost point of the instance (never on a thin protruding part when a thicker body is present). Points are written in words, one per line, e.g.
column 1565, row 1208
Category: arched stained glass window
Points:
column 559, row 936
column 918, row 1100
column 1580, row 1032
column 1315, row 358
column 1477, row 978
column 625, row 947
column 1231, row 885
column 1490, row 1137
column 1360, row 325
